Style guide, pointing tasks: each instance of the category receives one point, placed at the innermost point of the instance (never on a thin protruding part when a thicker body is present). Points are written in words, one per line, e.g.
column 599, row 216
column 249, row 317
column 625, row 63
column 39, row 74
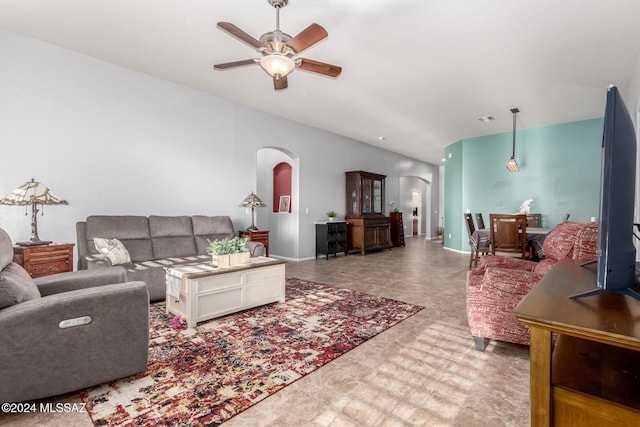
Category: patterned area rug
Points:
column 205, row 376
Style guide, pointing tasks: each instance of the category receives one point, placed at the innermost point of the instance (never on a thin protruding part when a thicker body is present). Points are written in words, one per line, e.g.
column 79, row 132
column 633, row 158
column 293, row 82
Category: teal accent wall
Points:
column 559, row 170
column 453, row 180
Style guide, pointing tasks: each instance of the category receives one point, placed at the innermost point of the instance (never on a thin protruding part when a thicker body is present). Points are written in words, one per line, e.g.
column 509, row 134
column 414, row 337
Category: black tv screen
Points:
column 616, row 251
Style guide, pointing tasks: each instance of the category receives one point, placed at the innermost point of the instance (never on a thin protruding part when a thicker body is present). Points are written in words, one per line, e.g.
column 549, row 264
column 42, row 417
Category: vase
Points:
column 220, row 260
column 332, row 218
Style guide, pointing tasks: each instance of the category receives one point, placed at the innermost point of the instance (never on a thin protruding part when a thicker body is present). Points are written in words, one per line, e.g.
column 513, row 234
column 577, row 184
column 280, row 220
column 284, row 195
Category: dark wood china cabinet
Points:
column 368, row 227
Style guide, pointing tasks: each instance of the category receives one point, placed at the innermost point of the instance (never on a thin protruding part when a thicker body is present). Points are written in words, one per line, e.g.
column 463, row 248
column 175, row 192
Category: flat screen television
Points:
column 616, row 251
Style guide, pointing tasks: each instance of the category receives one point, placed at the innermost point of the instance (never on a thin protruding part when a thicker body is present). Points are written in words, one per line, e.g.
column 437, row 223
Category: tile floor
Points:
column 422, row 372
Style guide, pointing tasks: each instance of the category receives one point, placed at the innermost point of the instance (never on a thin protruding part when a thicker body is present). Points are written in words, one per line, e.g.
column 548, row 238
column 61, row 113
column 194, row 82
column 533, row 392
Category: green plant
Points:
column 227, row 246
column 332, row 214
column 241, row 244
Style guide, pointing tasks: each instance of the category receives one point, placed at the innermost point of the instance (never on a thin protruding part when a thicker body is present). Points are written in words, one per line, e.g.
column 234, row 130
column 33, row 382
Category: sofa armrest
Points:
column 73, row 280
column 40, row 357
column 256, row 249
column 509, row 281
column 507, row 262
column 81, row 239
column 92, row 261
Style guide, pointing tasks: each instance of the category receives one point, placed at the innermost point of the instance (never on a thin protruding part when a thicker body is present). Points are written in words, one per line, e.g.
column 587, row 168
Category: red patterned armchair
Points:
column 499, row 282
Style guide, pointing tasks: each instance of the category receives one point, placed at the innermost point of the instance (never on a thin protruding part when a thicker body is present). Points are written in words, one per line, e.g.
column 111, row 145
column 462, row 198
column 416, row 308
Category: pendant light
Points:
column 511, row 164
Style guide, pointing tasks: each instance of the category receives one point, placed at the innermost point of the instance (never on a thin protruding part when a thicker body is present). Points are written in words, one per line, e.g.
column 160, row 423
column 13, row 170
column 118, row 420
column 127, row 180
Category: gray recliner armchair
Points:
column 68, row 331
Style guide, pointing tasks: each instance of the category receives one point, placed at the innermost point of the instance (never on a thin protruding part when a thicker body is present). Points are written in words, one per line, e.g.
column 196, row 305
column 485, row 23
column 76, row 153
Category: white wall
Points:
column 115, row 141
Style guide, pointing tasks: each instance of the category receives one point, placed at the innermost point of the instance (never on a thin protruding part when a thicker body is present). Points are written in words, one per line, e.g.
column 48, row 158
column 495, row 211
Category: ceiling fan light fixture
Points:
column 277, row 65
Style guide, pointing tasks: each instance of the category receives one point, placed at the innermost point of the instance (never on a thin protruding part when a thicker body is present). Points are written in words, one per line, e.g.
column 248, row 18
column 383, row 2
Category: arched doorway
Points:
column 412, row 187
column 277, row 173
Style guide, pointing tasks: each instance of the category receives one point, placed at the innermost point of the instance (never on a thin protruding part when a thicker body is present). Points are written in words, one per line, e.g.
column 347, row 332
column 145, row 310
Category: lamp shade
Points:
column 277, row 65
column 252, row 201
column 512, row 165
column 30, row 193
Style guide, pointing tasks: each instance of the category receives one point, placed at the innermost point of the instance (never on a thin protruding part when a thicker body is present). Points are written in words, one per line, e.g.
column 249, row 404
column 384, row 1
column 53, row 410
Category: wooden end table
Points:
column 589, row 376
column 46, row 259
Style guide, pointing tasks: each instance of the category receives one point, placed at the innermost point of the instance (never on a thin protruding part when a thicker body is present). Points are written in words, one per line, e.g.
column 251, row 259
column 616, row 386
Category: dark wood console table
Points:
column 591, row 376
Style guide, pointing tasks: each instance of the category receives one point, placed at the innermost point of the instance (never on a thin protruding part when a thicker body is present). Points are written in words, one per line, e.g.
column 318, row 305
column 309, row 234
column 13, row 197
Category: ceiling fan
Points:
column 279, row 50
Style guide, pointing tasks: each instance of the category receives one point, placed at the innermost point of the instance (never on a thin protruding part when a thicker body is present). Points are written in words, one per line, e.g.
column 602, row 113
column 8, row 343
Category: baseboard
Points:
column 456, row 250
column 284, row 258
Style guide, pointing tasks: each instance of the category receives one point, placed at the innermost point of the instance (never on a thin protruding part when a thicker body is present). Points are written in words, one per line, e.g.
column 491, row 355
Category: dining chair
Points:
column 508, row 233
column 534, row 220
column 475, row 244
column 480, row 221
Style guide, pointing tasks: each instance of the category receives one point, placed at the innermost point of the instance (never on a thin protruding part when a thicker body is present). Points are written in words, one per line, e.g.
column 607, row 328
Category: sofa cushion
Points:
column 560, row 242
column 586, row 248
column 113, row 249
column 16, row 286
column 132, row 231
column 153, row 273
column 211, row 228
column 171, row 236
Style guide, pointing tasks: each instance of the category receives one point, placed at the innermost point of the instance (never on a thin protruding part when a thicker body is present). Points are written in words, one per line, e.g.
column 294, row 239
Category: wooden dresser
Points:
column 44, row 260
column 591, row 375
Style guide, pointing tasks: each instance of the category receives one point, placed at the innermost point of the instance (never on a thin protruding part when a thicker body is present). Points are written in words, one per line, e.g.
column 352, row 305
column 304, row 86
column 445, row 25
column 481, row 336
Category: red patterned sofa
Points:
column 499, row 282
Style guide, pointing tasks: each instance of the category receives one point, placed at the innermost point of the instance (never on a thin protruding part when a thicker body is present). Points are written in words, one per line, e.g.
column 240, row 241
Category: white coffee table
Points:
column 206, row 291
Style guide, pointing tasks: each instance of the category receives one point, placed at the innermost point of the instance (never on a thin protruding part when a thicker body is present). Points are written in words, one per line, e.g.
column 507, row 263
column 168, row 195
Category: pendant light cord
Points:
column 513, row 150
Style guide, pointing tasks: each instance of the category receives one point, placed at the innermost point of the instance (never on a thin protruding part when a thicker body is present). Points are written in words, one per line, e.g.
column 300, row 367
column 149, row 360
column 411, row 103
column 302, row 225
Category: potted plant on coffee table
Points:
column 219, row 251
column 228, row 251
column 240, row 251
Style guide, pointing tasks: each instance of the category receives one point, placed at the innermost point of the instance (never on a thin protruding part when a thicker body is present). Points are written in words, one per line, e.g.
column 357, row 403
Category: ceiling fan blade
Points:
column 236, row 32
column 235, row 64
column 281, row 83
column 319, row 67
column 307, row 38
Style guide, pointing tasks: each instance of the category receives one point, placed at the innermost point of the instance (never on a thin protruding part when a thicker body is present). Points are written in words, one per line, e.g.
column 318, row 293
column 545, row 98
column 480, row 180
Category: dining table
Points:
column 535, row 238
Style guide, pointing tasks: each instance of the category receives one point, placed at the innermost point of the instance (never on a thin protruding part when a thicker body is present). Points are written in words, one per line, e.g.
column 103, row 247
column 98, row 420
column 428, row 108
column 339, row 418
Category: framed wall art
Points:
column 285, row 204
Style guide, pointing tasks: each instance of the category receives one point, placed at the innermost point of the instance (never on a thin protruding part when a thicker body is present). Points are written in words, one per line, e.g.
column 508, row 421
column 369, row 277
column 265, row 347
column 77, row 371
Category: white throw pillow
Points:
column 112, row 249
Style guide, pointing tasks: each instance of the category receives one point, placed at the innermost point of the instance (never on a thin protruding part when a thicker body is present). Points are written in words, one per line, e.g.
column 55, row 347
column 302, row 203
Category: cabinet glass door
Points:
column 366, row 195
column 377, row 196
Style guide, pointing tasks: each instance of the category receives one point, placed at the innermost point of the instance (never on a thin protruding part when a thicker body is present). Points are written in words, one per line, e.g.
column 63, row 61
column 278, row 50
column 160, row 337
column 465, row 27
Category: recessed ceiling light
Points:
column 486, row 118
column 382, row 138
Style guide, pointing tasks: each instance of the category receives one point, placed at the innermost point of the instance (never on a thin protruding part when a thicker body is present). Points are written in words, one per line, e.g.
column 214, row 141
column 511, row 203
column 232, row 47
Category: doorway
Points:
column 416, row 212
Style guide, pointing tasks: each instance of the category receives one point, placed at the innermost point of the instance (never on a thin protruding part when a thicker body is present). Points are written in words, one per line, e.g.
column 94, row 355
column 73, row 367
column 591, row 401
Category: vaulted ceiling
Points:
column 417, row 74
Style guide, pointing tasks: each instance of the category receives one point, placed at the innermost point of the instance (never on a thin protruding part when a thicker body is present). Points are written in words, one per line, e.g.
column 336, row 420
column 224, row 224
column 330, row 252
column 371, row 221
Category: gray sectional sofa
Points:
column 153, row 243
